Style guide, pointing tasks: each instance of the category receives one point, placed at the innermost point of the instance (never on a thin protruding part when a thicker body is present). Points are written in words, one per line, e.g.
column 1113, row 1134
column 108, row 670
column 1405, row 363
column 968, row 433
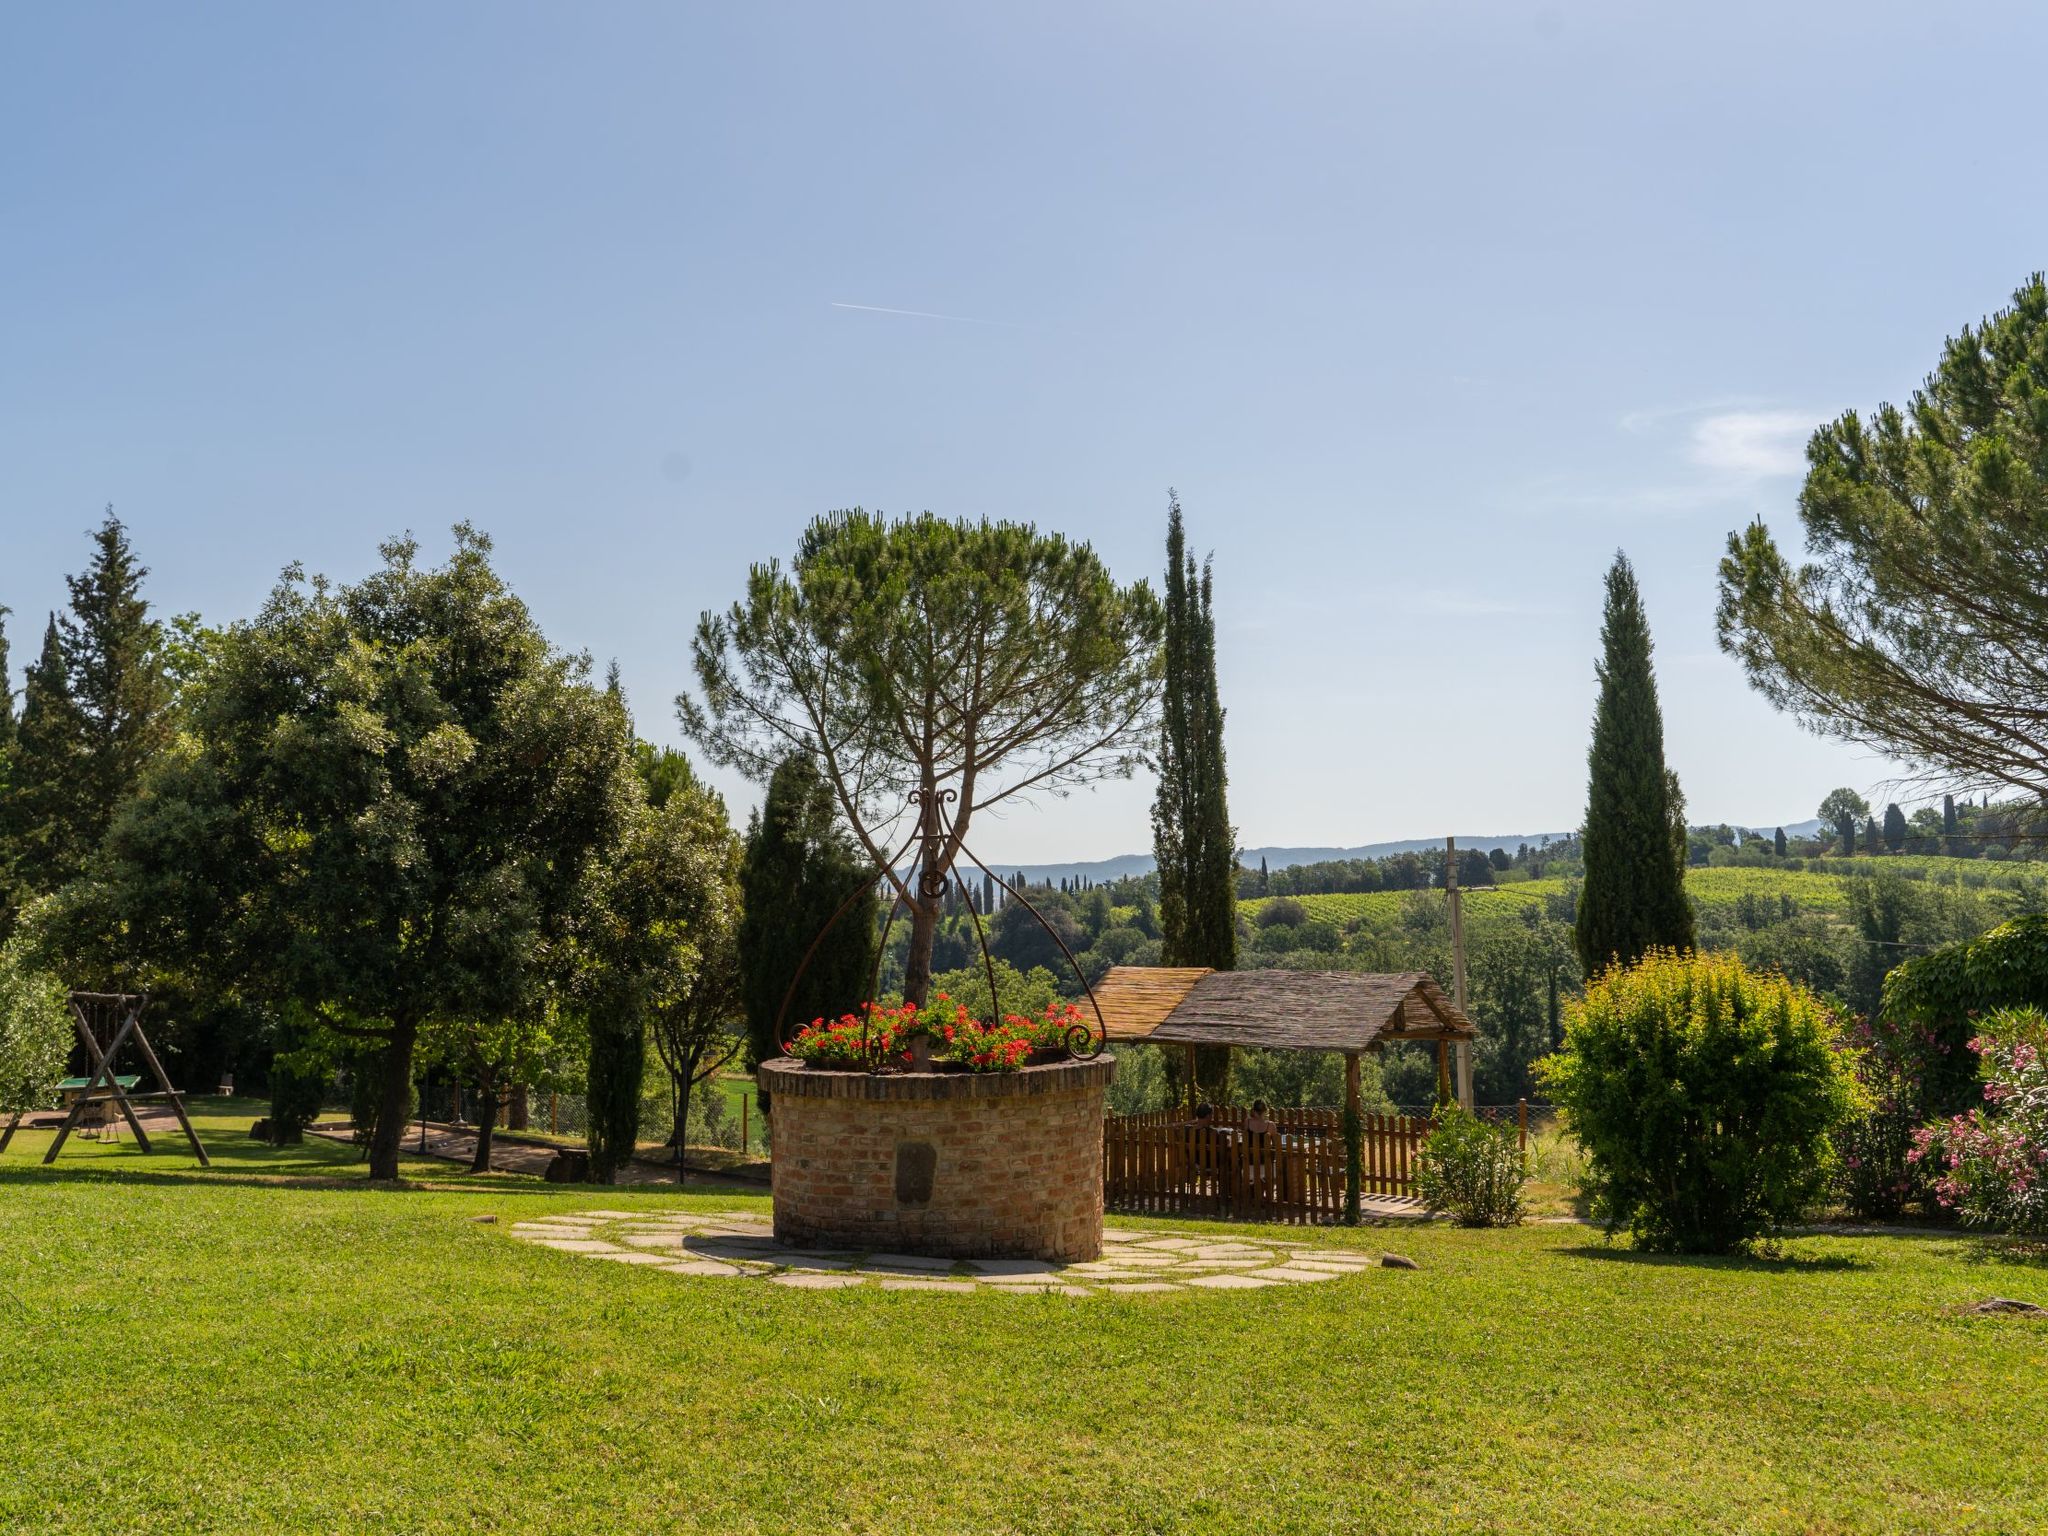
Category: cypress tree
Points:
column 797, row 868
column 617, row 1069
column 1845, row 834
column 1633, row 898
column 114, row 653
column 1778, row 843
column 95, row 711
column 6, row 700
column 1192, row 839
column 1894, row 827
column 44, row 813
column 1873, row 840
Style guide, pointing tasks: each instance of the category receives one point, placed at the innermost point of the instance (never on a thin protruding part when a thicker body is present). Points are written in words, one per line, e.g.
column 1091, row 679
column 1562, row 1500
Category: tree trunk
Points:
column 917, row 965
column 1212, row 1074
column 393, row 1099
column 486, row 1122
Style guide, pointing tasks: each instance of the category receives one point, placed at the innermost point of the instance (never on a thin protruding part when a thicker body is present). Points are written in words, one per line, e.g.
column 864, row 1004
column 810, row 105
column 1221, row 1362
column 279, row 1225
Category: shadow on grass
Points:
column 1756, row 1263
column 2015, row 1252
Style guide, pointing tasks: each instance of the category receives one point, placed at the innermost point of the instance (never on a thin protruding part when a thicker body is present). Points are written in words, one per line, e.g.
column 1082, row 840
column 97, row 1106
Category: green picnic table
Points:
column 72, row 1087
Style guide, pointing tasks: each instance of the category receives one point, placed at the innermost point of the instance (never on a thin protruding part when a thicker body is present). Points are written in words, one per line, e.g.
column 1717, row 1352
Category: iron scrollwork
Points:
column 1083, row 1043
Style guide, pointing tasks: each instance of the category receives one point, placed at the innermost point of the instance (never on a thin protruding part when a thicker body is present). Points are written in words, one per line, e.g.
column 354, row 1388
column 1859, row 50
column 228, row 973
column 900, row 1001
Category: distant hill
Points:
column 1102, row 871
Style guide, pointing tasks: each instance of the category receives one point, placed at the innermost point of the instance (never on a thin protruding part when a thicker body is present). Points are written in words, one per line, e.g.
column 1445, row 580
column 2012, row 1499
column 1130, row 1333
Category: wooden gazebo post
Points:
column 1354, row 1139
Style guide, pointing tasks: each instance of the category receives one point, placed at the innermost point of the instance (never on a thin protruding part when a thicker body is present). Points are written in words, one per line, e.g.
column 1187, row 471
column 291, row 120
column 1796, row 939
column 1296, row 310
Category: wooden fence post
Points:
column 1352, row 1139
column 746, row 1141
column 1522, row 1120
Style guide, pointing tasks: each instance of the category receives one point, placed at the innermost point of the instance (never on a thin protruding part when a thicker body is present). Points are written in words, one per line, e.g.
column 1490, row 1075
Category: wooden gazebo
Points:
column 1350, row 1012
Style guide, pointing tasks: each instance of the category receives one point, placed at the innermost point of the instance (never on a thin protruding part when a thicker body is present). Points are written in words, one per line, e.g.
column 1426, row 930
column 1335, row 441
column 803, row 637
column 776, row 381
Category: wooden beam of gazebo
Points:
column 1345, row 1011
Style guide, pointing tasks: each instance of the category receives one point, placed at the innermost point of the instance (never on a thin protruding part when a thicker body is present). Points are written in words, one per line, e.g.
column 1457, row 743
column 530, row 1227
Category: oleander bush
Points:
column 1706, row 1096
column 1990, row 1166
column 1472, row 1170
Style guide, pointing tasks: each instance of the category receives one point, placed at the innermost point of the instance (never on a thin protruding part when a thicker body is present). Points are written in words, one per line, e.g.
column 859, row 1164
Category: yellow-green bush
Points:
column 1705, row 1095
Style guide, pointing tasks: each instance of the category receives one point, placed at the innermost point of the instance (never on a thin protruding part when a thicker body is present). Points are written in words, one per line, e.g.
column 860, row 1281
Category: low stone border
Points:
column 739, row 1245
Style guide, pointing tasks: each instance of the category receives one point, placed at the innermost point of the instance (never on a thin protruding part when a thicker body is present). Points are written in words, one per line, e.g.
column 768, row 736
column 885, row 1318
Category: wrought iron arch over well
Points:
column 1083, row 1043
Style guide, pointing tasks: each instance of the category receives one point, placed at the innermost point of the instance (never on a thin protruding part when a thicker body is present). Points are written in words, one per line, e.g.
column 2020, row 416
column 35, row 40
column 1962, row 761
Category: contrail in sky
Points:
column 925, row 314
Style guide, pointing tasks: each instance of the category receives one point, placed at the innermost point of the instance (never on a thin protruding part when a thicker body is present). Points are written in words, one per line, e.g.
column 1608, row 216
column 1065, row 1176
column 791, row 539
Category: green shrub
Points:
column 1472, row 1171
column 35, row 1033
column 1705, row 1095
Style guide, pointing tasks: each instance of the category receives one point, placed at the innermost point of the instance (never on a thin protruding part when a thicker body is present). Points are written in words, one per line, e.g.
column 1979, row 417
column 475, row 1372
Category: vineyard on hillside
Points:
column 1836, row 925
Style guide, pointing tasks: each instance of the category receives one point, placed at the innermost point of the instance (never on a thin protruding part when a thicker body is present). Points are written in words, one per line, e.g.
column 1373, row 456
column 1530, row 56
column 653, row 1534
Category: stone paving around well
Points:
column 736, row 1245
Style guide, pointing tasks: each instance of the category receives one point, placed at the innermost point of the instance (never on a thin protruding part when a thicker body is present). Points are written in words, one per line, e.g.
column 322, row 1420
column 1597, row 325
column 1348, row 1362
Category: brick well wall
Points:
column 955, row 1164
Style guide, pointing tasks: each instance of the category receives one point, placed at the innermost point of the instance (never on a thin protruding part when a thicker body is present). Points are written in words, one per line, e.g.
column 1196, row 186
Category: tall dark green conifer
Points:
column 101, row 701
column 6, row 700
column 1634, row 893
column 113, row 650
column 44, row 813
column 797, row 869
column 1192, row 839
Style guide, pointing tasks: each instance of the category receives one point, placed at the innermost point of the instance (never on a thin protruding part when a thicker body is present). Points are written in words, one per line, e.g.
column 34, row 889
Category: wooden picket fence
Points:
column 1161, row 1164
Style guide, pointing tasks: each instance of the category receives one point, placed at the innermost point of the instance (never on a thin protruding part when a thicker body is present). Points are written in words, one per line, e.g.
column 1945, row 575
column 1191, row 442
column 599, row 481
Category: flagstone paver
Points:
column 739, row 1245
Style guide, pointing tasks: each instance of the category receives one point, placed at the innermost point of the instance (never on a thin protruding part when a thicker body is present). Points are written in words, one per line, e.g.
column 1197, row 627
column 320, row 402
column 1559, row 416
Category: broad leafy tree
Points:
column 652, row 952
column 800, row 868
column 1843, row 802
column 1633, row 899
column 1193, row 842
column 698, row 1027
column 381, row 810
column 965, row 663
column 1919, row 625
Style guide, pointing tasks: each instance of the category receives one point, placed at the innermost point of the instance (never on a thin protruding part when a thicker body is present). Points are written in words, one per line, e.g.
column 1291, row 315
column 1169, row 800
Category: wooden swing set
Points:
column 107, row 1021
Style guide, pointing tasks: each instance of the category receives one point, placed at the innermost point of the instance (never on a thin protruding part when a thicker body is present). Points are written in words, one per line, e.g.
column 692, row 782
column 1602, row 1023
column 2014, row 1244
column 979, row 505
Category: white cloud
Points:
column 1751, row 445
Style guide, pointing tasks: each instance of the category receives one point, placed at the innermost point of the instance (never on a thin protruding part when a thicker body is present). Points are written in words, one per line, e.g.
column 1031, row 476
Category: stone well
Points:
column 962, row 1165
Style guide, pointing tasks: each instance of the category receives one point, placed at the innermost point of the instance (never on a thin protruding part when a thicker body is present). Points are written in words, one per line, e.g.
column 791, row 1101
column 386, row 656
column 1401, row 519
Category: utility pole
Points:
column 1464, row 1048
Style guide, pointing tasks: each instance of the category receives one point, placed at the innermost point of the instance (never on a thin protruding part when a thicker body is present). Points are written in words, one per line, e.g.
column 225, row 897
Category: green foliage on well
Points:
column 1705, row 1096
column 1917, row 628
column 1633, row 899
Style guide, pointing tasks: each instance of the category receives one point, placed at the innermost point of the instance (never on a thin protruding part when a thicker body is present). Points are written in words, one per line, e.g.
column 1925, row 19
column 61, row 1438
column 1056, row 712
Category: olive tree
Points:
column 933, row 670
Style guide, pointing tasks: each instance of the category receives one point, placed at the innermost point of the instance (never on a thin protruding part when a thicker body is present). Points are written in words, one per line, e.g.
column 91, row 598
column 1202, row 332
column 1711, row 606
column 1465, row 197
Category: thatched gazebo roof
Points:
column 1277, row 1010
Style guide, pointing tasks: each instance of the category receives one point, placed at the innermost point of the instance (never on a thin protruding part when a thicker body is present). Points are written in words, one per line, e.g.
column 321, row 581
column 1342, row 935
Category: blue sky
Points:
column 1424, row 309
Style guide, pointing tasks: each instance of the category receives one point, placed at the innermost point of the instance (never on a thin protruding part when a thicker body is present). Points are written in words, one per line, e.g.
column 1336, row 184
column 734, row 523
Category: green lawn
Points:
column 276, row 1347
